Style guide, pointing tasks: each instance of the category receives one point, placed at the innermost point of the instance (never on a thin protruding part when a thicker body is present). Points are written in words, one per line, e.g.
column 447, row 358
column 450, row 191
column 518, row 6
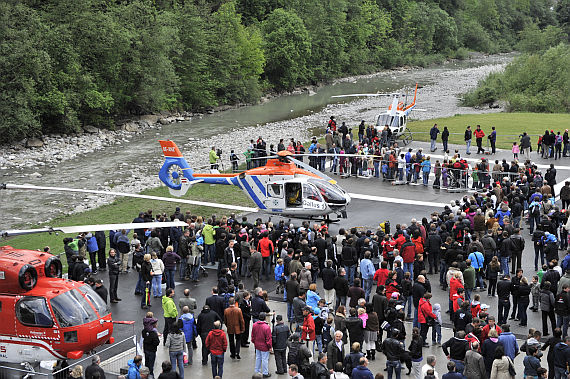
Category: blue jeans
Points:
column 409, row 267
column 408, row 302
column 394, row 366
column 140, row 285
column 559, row 373
column 432, row 146
column 367, row 286
column 426, row 178
column 209, row 253
column 183, row 263
column 217, row 365
column 177, row 359
column 350, row 270
column 376, row 169
column 416, row 323
column 505, row 265
column 157, row 285
column 468, row 294
column 562, row 321
column 400, row 174
column 170, row 278
column 196, row 269
column 290, row 312
column 319, row 342
column 436, row 333
column 468, row 144
column 262, row 362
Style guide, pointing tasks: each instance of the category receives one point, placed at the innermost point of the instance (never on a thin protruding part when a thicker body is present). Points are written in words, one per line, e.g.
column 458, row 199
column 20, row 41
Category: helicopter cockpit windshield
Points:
column 328, row 191
column 95, row 299
column 71, row 309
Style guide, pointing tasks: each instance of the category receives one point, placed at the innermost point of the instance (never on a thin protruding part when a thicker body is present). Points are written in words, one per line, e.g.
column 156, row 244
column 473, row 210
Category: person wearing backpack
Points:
column 352, row 359
column 299, row 354
column 319, row 369
column 280, row 335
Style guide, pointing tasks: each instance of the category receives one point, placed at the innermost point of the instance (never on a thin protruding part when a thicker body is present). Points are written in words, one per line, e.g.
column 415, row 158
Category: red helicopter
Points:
column 47, row 317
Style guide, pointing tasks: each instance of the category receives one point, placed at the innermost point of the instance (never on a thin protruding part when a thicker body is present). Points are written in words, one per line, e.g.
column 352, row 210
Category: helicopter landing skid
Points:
column 407, row 137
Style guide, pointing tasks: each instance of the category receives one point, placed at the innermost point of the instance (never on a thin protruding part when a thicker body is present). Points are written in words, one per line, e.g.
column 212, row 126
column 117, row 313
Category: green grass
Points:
column 124, row 210
column 509, row 126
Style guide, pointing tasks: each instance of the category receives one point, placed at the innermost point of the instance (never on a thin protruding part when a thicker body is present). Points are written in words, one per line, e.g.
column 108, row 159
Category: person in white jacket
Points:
column 157, row 271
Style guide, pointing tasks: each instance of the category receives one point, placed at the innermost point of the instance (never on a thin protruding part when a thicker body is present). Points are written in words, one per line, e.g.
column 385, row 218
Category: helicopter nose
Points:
column 347, row 197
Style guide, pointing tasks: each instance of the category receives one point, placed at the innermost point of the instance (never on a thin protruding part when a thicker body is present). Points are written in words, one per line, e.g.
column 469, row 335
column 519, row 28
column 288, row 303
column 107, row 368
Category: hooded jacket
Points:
column 217, row 342
column 133, row 370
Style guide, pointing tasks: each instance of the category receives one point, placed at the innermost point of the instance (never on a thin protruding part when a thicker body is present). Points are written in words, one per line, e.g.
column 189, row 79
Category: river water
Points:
column 132, row 164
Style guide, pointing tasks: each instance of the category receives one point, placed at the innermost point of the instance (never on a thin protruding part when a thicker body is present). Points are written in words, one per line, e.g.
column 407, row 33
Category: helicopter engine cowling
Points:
column 25, row 275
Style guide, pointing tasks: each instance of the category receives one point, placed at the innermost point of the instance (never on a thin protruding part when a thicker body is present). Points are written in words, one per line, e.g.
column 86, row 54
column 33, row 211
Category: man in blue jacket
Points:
column 362, row 371
column 367, row 271
column 509, row 342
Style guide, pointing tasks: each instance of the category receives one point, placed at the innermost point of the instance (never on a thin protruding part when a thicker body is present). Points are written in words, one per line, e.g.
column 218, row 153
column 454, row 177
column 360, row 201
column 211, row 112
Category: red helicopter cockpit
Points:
column 47, row 317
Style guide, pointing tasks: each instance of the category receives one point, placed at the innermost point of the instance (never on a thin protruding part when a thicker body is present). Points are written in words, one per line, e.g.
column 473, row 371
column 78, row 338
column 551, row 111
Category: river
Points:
column 132, row 164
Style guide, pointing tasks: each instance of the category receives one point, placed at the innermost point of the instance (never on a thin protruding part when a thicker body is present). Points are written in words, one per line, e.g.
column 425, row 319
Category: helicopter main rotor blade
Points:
column 124, row 194
column 93, row 228
column 368, row 95
column 312, row 170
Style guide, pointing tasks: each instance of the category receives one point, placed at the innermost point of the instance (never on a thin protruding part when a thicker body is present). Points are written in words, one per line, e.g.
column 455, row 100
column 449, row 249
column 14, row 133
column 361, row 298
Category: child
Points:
column 436, row 329
column 328, row 332
column 535, row 291
column 279, row 276
column 475, row 306
column 516, row 150
column 541, row 272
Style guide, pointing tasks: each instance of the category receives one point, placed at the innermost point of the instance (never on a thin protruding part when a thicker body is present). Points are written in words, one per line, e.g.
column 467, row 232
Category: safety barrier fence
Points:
column 114, row 360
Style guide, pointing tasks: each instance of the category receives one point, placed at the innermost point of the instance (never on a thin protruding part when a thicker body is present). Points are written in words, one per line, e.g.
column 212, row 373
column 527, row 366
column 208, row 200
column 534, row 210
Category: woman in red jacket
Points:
column 392, row 284
column 426, row 317
column 454, row 284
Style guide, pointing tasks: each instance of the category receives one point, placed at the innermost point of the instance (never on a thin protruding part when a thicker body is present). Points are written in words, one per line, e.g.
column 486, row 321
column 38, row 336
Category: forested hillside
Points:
column 68, row 63
column 538, row 80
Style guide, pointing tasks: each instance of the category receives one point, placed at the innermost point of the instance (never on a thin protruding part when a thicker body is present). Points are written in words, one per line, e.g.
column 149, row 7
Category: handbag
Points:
column 512, row 371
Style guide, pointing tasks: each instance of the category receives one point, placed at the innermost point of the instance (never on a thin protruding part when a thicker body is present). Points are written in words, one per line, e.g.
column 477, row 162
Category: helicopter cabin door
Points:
column 275, row 199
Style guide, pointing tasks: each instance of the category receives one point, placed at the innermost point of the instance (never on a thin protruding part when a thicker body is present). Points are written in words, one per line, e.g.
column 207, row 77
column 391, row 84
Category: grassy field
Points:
column 508, row 125
column 126, row 209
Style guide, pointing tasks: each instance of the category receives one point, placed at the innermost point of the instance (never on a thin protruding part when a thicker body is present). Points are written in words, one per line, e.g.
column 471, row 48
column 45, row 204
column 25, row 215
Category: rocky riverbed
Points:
column 54, row 157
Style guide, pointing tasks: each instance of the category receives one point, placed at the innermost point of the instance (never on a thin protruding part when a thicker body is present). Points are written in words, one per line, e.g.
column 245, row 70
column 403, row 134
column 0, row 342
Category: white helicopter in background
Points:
column 396, row 116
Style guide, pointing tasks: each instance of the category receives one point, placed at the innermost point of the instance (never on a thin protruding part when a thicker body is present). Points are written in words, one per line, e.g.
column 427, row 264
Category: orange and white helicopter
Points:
column 283, row 186
column 46, row 317
column 396, row 116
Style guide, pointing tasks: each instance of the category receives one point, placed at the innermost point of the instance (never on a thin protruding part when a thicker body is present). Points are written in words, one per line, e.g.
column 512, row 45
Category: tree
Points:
column 287, row 47
column 237, row 58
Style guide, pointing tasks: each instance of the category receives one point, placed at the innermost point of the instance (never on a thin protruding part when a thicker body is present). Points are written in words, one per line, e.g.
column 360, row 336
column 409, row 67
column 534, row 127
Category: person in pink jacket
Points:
column 261, row 339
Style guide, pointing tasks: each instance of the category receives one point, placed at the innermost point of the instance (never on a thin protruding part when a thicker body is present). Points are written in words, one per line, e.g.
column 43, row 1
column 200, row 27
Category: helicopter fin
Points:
column 176, row 173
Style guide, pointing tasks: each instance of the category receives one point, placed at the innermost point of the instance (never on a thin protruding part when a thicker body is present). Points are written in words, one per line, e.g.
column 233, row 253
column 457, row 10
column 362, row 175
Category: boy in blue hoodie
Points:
column 436, row 329
column 279, row 276
column 190, row 331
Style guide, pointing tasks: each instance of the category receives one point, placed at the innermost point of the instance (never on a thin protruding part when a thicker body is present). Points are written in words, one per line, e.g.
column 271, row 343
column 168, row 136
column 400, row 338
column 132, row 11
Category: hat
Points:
column 484, row 306
column 399, row 306
column 205, row 307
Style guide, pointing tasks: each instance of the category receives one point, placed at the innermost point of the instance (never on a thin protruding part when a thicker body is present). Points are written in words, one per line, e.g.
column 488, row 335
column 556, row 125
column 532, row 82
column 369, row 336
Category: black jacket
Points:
column 334, row 354
column 258, row 305
column 503, row 289
column 418, row 291
column 455, row 348
column 114, row 264
column 102, row 292
column 340, row 284
column 355, row 329
column 379, row 304
column 328, row 275
column 280, row 335
column 216, row 303
column 205, row 322
column 292, row 287
column 150, row 340
column 393, row 349
column 349, row 257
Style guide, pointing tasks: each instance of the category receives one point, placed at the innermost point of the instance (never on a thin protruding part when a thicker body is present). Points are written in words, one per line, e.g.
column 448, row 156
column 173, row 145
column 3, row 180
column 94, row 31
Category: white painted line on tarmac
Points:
column 397, row 201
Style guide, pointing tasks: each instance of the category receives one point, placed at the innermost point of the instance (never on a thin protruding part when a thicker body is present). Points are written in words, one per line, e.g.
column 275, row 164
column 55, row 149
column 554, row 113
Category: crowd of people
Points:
column 359, row 287
column 473, row 246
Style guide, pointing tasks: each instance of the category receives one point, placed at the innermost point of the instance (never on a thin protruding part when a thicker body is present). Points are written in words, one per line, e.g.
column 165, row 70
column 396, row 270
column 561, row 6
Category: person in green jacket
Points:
column 170, row 312
column 213, row 159
column 248, row 155
column 208, row 233
column 469, row 275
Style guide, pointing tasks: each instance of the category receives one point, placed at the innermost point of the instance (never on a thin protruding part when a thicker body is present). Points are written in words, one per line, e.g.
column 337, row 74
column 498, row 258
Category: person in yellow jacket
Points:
column 213, row 159
column 170, row 312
